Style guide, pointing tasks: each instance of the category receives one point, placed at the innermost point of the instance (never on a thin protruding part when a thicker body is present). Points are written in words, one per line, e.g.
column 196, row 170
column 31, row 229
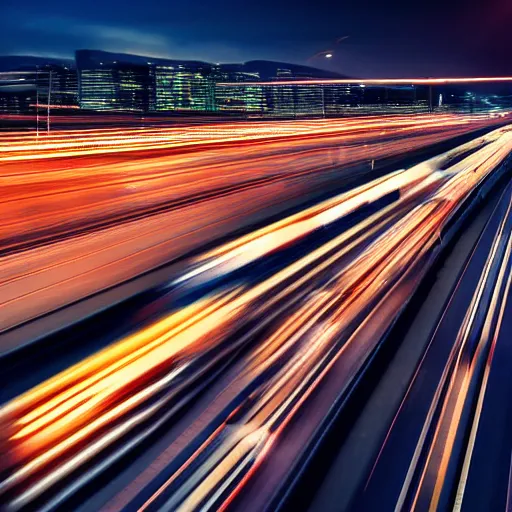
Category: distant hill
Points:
column 94, row 58
column 268, row 69
column 28, row 62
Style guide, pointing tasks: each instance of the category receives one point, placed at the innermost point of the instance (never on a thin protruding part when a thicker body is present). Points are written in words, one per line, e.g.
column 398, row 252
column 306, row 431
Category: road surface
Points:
column 214, row 389
column 87, row 210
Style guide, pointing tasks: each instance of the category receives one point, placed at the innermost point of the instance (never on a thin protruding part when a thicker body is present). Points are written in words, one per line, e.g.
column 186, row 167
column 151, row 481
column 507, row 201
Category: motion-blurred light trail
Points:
column 458, row 394
column 381, row 81
column 24, row 146
column 269, row 314
column 80, row 214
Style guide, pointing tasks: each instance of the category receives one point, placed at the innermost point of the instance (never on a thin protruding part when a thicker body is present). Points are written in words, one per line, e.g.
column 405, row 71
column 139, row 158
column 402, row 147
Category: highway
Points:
column 76, row 204
column 455, row 451
column 287, row 254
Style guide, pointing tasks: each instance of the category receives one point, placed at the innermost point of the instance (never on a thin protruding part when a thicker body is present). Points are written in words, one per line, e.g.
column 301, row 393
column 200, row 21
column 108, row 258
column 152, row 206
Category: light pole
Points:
column 323, row 100
column 37, row 101
column 49, row 98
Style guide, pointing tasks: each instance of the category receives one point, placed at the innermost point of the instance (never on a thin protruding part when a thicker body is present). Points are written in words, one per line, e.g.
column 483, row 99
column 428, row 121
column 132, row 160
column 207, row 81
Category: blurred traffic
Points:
column 234, row 348
column 85, row 210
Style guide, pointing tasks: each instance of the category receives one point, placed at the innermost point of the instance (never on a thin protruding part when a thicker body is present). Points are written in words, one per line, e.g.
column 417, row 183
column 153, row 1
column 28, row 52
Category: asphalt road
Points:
column 220, row 386
column 55, row 253
column 350, row 452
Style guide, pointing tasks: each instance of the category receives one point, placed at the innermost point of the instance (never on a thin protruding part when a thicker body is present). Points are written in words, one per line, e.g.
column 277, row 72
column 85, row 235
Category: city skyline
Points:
column 105, row 81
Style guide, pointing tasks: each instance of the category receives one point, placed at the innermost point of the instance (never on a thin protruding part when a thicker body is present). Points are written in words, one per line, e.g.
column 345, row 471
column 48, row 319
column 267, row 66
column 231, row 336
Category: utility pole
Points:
column 323, row 100
column 37, row 101
column 49, row 98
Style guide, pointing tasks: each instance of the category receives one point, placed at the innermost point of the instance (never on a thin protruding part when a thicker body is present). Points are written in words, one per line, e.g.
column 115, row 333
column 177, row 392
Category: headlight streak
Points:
column 315, row 306
column 79, row 224
column 437, row 457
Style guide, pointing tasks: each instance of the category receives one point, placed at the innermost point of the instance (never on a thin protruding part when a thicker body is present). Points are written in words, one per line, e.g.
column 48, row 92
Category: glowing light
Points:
column 61, row 424
column 380, row 81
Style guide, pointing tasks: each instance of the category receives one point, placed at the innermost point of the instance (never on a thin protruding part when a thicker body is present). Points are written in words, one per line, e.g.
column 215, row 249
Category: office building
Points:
column 108, row 81
column 244, row 95
column 47, row 85
column 57, row 86
column 183, row 86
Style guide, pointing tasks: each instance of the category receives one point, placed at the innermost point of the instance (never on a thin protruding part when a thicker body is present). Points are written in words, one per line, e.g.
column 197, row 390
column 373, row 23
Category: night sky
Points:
column 386, row 38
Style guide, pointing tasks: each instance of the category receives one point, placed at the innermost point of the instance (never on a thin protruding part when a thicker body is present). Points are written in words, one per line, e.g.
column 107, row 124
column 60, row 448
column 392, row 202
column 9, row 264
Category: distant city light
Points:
column 98, row 83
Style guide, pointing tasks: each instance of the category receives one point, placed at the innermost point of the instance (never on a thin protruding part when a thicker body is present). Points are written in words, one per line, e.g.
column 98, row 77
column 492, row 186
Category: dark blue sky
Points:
column 386, row 38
